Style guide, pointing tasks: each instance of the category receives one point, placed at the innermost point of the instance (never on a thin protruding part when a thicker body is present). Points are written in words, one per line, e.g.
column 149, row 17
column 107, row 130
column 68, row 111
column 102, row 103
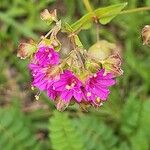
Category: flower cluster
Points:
column 65, row 85
column 82, row 77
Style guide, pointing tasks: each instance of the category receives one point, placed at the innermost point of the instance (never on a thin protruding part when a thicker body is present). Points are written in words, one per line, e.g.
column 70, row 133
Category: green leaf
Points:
column 81, row 23
column 108, row 13
column 105, row 15
column 145, row 120
column 139, row 141
column 99, row 134
column 15, row 131
column 67, row 27
column 130, row 115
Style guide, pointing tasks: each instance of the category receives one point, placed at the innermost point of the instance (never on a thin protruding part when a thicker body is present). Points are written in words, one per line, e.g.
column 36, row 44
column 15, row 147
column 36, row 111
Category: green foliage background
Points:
column 123, row 123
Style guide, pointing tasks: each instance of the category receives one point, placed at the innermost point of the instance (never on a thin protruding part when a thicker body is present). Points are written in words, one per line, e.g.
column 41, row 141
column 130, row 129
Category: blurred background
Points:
column 123, row 123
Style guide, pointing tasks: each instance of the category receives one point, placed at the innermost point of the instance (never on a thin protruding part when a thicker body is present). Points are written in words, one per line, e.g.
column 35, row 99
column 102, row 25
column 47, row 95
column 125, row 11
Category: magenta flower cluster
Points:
column 65, row 85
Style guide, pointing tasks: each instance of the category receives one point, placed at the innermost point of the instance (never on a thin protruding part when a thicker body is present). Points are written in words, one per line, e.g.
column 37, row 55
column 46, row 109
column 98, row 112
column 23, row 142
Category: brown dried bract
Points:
column 146, row 35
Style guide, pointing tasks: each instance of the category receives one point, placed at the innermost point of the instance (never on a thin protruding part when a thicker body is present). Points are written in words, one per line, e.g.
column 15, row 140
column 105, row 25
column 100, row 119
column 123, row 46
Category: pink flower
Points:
column 96, row 87
column 43, row 80
column 69, row 86
column 40, row 77
column 43, row 67
column 52, row 94
column 46, row 55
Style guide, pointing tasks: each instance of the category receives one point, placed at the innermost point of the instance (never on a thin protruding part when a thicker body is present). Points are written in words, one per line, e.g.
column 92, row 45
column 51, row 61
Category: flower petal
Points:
column 66, row 95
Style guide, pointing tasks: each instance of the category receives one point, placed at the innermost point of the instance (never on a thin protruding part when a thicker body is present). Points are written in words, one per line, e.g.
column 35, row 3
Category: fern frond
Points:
column 139, row 141
column 63, row 134
column 145, row 119
column 15, row 133
column 131, row 115
column 97, row 135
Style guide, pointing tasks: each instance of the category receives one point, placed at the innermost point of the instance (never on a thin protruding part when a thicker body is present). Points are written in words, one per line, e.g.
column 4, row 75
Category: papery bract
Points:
column 26, row 50
column 49, row 17
column 113, row 65
column 146, row 35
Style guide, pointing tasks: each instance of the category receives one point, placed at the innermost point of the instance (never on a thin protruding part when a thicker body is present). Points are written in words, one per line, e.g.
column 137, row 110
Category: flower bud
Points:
column 101, row 50
column 113, row 64
column 146, row 35
column 49, row 17
column 26, row 50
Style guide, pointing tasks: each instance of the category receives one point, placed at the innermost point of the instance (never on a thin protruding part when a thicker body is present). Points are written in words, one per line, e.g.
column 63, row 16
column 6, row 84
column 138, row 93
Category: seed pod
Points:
column 101, row 50
column 146, row 35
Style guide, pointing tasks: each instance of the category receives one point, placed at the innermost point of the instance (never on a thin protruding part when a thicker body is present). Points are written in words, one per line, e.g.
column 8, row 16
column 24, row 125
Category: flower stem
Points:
column 134, row 10
column 89, row 8
column 97, row 31
column 87, row 5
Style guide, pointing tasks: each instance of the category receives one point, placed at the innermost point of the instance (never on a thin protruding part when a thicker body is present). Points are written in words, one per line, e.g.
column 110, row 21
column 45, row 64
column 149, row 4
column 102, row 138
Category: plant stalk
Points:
column 87, row 5
column 89, row 8
column 97, row 31
column 134, row 10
